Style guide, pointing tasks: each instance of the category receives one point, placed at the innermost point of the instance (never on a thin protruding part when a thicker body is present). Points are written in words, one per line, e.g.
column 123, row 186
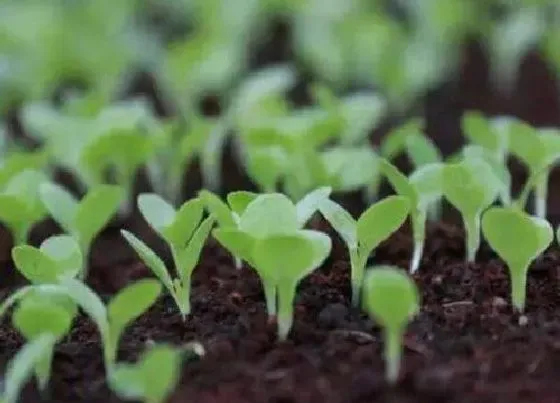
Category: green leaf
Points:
column 269, row 214
column 526, row 144
column 186, row 221
column 238, row 243
column 131, row 302
column 37, row 316
column 150, row 259
column 65, row 251
column 60, row 204
column 399, row 182
column 239, row 200
column 158, row 213
column 191, row 255
column 422, row 150
column 380, row 220
column 34, row 265
column 395, row 142
column 518, row 239
column 20, row 369
column 322, row 245
column 217, row 208
column 95, row 211
column 391, row 296
column 479, row 131
column 310, row 203
column 15, row 214
column 428, row 183
column 342, row 222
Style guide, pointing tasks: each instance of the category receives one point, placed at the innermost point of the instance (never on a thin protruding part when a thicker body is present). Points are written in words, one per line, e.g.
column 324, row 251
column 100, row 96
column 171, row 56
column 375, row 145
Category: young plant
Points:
column 112, row 319
column 422, row 189
column 391, row 298
column 362, row 236
column 538, row 150
column 185, row 233
column 518, row 239
column 269, row 215
column 83, row 219
column 471, row 187
column 490, row 134
column 21, row 367
column 20, row 205
column 152, row 378
column 282, row 261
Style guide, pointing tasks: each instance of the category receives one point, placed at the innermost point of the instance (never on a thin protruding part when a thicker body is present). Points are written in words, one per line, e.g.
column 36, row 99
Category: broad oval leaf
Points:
column 35, row 265
column 157, row 212
column 390, row 296
column 379, row 221
column 238, row 243
column 132, row 301
column 269, row 214
column 35, row 316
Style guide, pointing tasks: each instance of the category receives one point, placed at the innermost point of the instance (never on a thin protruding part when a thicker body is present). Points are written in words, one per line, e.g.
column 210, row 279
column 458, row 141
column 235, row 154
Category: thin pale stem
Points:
column 286, row 296
column 472, row 229
column 357, row 267
column 518, row 279
column 392, row 353
column 270, row 297
column 541, row 195
column 419, row 230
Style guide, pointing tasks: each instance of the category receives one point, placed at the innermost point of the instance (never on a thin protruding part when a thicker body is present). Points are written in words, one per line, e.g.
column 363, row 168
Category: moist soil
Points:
column 465, row 345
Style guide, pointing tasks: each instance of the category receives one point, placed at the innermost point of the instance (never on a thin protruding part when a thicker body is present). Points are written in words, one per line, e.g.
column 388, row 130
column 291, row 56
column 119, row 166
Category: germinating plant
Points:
column 112, row 319
column 392, row 299
column 152, row 378
column 471, row 187
column 422, row 188
column 20, row 368
column 362, row 236
column 20, row 205
column 518, row 239
column 185, row 232
column 268, row 216
column 82, row 219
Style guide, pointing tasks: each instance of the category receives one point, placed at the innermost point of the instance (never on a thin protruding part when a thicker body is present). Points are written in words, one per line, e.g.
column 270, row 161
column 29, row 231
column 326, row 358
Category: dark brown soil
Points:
column 466, row 345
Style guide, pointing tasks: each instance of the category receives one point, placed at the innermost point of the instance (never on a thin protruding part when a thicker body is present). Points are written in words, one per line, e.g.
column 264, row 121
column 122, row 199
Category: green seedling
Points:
column 391, row 298
column 17, row 161
column 184, row 231
column 282, row 261
column 111, row 320
column 410, row 140
column 471, row 187
column 518, row 239
column 489, row 134
column 152, row 378
column 83, row 219
column 21, row 367
column 538, row 150
column 20, row 205
column 362, row 236
column 422, row 189
column 266, row 216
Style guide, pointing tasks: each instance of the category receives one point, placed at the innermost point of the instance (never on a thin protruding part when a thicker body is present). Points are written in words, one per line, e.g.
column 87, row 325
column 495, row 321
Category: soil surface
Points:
column 466, row 344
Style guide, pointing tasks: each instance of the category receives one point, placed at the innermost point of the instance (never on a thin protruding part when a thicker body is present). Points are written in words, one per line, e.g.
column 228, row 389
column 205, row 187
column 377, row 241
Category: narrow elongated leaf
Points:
column 150, row 259
column 399, row 182
column 158, row 213
column 269, row 214
column 186, row 221
column 191, row 255
column 342, row 222
column 60, row 204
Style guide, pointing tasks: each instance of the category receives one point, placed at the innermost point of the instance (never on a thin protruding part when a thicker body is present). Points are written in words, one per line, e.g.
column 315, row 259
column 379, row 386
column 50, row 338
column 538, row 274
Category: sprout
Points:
column 270, row 215
column 21, row 367
column 471, row 187
column 375, row 225
column 518, row 239
column 538, row 149
column 185, row 233
column 422, row 189
column 83, row 219
column 20, row 205
column 111, row 320
column 486, row 133
column 152, row 378
column 282, row 261
column 391, row 298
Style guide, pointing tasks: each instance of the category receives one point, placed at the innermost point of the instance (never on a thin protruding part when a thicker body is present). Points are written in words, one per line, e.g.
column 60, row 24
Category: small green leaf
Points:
column 36, row 316
column 395, row 141
column 525, row 144
column 34, row 265
column 158, row 213
column 60, row 204
column 269, row 214
column 380, row 220
column 518, row 239
column 191, row 254
column 65, row 251
column 479, row 131
column 310, row 203
column 342, row 222
column 186, row 221
column 399, row 182
column 428, row 183
column 150, row 259
column 422, row 150
column 238, row 243
column 239, row 200
column 218, row 208
column 322, row 245
column 131, row 302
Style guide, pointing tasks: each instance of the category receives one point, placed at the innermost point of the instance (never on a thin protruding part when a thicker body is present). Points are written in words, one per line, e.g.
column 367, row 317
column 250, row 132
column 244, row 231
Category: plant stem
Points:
column 392, row 353
column 357, row 268
column 286, row 296
column 472, row 229
column 270, row 297
column 518, row 279
column 419, row 234
column 541, row 193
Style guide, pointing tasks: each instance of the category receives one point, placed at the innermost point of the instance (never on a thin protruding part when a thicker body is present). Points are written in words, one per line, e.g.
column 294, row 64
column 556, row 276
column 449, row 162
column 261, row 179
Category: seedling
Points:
column 152, row 378
column 185, row 233
column 17, row 161
column 351, row 168
column 392, row 299
column 111, row 320
column 538, row 150
column 21, row 367
column 361, row 237
column 269, row 215
column 486, row 133
column 422, row 189
column 471, row 187
column 282, row 261
column 83, row 219
column 20, row 206
column 518, row 239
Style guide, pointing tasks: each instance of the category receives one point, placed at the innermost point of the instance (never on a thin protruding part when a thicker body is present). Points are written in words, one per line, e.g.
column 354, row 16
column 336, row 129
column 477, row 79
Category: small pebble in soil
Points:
column 523, row 320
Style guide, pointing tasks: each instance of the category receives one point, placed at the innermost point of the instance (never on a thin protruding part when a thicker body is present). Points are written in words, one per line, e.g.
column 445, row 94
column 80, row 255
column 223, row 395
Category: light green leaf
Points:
column 269, row 214
column 186, row 221
column 218, row 208
column 395, row 142
column 399, row 182
column 36, row 316
column 342, row 222
column 380, row 220
column 428, row 182
column 322, row 245
column 191, row 255
column 238, row 243
column 478, row 129
column 60, row 204
column 65, row 251
column 526, row 144
column 150, row 259
column 310, row 203
column 158, row 213
column 34, row 265
column 422, row 150
column 239, row 200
